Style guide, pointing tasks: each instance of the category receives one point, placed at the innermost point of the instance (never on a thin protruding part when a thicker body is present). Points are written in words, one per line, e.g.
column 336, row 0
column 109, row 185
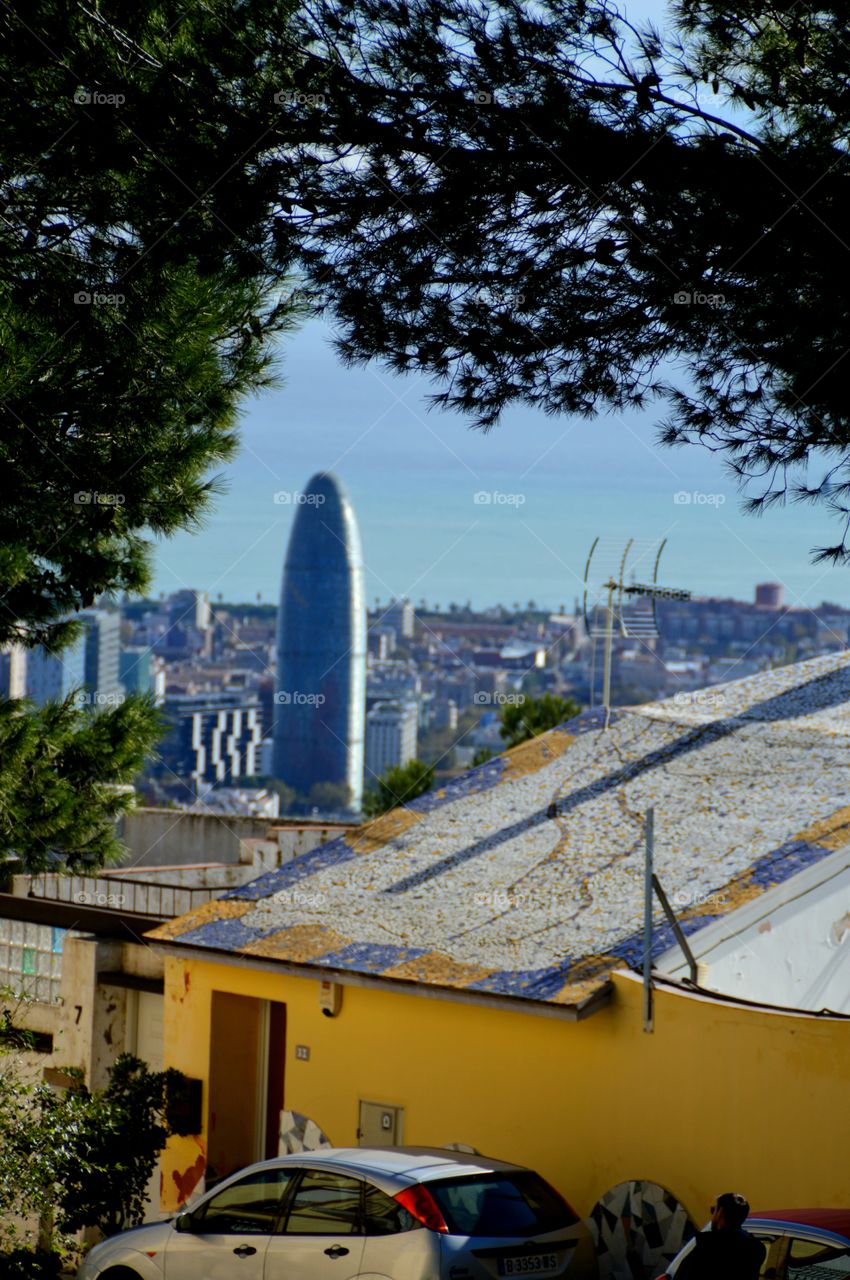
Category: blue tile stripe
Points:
column 332, row 854
column 224, row 935
column 362, row 957
column 774, row 868
column 532, row 984
column 786, row 860
column 492, row 772
column 343, row 848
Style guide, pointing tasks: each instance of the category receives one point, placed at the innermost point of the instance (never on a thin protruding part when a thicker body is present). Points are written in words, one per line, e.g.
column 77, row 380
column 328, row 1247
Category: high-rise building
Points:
column 399, row 615
column 13, row 671
column 214, row 737
column 321, row 647
column 181, row 627
column 189, row 608
column 135, row 670
column 90, row 664
column 445, row 714
column 50, row 677
column 390, row 737
column 381, row 642
column 103, row 655
column 141, row 671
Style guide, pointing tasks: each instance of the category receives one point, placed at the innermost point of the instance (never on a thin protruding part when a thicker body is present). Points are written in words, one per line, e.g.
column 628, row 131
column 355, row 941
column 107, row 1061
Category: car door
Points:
column 808, row 1258
column 320, row 1235
column 226, row 1236
column 774, row 1252
column 396, row 1244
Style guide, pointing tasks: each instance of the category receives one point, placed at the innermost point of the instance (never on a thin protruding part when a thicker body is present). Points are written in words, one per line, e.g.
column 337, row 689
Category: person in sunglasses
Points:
column 727, row 1251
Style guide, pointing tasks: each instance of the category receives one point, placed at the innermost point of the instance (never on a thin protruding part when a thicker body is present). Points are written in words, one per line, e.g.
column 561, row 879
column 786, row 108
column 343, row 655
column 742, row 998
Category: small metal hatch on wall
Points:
column 380, row 1125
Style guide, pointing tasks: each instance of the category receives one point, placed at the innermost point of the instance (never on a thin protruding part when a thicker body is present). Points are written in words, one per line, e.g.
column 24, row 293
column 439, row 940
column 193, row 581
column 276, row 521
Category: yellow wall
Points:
column 719, row 1097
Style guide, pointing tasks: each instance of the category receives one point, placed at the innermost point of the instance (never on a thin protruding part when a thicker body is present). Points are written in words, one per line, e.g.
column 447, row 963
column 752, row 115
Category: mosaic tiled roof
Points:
column 524, row 876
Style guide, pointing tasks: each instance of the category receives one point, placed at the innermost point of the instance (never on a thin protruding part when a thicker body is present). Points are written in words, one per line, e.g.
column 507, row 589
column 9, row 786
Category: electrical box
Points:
column 183, row 1105
column 380, row 1125
column 330, row 998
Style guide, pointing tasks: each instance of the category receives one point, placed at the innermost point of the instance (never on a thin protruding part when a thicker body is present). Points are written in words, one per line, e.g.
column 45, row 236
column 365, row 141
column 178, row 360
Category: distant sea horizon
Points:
column 450, row 514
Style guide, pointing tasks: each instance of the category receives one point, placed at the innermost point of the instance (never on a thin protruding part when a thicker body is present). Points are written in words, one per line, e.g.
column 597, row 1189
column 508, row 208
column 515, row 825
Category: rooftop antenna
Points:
column 627, row 607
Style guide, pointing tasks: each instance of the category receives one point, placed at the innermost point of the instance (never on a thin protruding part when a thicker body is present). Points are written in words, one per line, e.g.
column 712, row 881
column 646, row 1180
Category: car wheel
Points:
column 120, row 1273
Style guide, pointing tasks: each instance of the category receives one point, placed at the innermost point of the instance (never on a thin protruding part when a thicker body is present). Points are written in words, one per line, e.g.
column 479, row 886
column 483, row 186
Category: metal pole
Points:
column 647, row 921
column 677, row 928
column 609, row 636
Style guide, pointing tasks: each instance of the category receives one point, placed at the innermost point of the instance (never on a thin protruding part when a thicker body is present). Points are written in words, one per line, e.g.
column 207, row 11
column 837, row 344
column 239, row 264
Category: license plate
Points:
column 531, row 1265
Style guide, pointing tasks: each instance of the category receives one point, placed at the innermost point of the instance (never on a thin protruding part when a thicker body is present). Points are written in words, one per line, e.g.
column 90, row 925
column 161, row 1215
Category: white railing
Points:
column 124, row 897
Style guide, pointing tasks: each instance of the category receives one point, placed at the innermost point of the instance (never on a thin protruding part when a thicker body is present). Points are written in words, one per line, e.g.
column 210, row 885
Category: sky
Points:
column 448, row 513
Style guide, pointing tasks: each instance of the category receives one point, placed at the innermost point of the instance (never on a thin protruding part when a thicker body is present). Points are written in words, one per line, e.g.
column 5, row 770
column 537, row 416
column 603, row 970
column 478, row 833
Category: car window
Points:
column 811, row 1260
column 519, row 1204
column 325, row 1204
column 247, row 1207
column 768, row 1266
column 385, row 1216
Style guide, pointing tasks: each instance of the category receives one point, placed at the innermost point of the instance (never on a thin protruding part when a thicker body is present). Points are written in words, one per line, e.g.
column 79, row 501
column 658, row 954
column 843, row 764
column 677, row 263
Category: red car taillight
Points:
column 419, row 1202
column 571, row 1210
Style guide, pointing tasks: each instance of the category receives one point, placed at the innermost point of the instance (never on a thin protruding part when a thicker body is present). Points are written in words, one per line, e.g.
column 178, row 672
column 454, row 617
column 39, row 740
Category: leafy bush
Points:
column 80, row 1158
column 28, row 1264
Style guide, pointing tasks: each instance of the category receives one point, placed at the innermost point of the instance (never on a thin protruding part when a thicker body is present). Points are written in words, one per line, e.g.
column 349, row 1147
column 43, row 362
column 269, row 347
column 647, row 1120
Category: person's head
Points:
column 729, row 1212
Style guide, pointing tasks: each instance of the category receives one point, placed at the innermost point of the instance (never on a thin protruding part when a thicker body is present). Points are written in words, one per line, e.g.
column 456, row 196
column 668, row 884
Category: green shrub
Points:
column 80, row 1158
column 30, row 1264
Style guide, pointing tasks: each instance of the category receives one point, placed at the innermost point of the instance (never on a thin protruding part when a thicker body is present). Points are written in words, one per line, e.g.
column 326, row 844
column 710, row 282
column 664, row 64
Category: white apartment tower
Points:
column 390, row 737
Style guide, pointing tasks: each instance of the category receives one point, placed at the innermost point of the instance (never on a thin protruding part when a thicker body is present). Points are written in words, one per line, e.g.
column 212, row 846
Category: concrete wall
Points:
column 170, row 837
column 92, row 1025
column 166, row 837
column 189, row 875
column 718, row 1095
column 45, row 1018
column 96, row 1026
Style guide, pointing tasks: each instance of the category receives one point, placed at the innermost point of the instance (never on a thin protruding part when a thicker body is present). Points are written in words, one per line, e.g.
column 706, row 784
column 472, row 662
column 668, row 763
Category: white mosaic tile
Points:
column 550, row 888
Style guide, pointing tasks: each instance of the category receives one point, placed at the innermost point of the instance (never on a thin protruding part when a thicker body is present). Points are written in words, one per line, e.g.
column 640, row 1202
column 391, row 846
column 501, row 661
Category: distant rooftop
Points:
column 524, row 876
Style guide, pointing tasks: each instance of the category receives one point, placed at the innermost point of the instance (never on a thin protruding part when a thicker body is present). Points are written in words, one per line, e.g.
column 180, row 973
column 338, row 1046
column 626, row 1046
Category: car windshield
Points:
column 498, row 1204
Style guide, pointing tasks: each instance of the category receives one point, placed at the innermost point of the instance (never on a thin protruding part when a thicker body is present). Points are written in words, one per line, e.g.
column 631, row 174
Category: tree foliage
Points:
column 66, row 776
column 541, row 204
column 530, row 203
column 329, row 797
column 105, row 1144
column 138, row 307
column 137, row 299
column 80, row 1157
column 520, row 721
column 398, row 786
column 30, row 1264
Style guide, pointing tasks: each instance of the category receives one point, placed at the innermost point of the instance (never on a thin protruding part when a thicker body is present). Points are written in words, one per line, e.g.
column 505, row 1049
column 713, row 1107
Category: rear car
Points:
column 800, row 1244
column 400, row 1213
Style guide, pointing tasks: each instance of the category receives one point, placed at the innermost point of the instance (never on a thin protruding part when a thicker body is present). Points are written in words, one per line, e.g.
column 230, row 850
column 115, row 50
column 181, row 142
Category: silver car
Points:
column 404, row 1213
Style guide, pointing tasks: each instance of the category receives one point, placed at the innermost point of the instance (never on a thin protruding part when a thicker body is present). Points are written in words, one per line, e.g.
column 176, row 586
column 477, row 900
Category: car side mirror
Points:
column 184, row 1222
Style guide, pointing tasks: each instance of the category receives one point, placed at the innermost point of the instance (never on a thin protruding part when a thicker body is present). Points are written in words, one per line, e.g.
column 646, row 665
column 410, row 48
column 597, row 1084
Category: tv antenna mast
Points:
column 611, row 603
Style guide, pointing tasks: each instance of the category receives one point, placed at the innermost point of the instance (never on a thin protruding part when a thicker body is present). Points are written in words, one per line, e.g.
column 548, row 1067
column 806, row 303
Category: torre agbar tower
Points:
column 320, row 698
